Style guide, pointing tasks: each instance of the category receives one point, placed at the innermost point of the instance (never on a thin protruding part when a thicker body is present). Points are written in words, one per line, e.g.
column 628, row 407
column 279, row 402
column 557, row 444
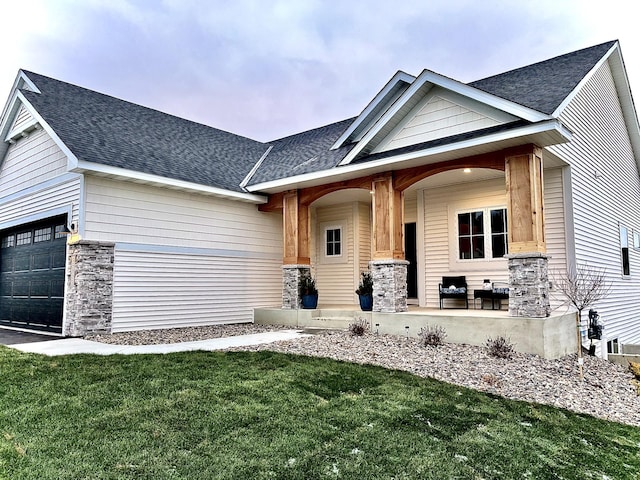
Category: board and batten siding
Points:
column 31, row 161
column 606, row 194
column 336, row 276
column 441, row 206
column 184, row 259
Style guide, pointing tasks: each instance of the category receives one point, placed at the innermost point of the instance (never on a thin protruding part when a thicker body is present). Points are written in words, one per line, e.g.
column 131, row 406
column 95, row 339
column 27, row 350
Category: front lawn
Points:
column 267, row 415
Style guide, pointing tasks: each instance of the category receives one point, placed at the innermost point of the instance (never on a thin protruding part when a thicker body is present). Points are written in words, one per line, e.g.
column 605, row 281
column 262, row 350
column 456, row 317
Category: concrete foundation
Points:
column 550, row 337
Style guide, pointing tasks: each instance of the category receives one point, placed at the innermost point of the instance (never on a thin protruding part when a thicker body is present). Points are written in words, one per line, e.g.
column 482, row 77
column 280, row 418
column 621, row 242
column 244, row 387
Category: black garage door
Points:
column 32, row 261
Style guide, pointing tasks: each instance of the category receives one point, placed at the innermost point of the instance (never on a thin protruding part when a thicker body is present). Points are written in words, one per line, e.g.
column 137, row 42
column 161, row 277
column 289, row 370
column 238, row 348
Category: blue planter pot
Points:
column 309, row 301
column 366, row 302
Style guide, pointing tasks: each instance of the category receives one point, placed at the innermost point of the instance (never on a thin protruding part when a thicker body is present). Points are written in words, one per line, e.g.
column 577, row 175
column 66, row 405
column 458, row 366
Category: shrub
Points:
column 634, row 367
column 308, row 285
column 366, row 284
column 500, row 347
column 359, row 327
column 431, row 336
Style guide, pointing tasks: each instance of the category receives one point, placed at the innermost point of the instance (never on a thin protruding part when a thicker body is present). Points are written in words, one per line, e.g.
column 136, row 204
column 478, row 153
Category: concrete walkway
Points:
column 69, row 346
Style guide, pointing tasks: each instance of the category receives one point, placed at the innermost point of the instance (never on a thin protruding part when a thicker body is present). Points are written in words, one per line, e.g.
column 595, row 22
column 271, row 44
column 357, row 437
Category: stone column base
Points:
column 89, row 294
column 291, row 276
column 389, row 285
column 529, row 285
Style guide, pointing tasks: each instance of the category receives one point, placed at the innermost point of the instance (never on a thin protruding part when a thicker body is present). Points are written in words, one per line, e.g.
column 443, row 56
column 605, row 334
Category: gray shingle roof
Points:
column 304, row 152
column 544, row 85
column 105, row 130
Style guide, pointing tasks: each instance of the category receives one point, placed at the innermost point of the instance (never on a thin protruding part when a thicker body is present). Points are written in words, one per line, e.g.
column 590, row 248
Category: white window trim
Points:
column 624, row 243
column 636, row 240
column 487, row 236
column 335, row 225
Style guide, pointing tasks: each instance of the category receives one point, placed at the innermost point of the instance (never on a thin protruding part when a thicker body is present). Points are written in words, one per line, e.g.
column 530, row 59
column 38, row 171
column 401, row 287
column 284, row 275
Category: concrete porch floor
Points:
column 550, row 337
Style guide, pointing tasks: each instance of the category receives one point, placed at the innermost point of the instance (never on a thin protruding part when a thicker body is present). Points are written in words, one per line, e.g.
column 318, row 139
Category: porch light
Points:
column 467, row 170
column 66, row 230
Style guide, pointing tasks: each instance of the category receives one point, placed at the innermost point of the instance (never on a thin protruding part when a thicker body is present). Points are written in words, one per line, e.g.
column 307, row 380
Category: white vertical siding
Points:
column 183, row 259
column 335, row 276
column 440, row 242
column 606, row 193
column 554, row 228
column 29, row 162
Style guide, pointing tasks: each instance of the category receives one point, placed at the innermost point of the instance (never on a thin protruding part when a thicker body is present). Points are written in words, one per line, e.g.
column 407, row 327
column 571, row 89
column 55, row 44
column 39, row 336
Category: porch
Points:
column 549, row 337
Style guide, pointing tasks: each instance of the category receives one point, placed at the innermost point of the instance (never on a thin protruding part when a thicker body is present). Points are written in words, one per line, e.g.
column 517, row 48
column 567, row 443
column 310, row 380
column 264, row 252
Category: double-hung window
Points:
column 482, row 234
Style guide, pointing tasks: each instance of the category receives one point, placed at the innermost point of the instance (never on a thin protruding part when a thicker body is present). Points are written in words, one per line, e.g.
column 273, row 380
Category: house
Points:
column 174, row 223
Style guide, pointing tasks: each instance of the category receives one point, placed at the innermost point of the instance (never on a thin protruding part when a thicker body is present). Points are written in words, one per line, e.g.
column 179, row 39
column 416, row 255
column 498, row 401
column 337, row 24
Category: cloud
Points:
column 270, row 68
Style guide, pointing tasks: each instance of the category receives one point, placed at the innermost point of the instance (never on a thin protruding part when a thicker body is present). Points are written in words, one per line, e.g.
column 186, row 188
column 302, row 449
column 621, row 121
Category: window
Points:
column 333, row 242
column 613, row 346
column 624, row 247
column 636, row 240
column 60, row 231
column 8, row 241
column 482, row 234
column 23, row 238
column 42, row 235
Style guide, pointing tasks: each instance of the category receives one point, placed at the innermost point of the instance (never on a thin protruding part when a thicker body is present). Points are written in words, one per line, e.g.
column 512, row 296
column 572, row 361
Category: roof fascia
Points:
column 72, row 160
column 399, row 77
column 255, row 168
column 558, row 111
column 21, row 78
column 84, row 166
column 629, row 112
column 550, row 125
column 427, row 76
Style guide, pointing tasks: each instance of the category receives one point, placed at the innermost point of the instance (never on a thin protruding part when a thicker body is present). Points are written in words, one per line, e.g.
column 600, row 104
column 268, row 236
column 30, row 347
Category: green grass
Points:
column 267, row 415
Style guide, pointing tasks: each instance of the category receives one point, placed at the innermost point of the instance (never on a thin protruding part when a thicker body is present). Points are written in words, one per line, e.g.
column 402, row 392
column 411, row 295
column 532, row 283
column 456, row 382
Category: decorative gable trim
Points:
column 412, row 96
column 440, row 114
column 376, row 108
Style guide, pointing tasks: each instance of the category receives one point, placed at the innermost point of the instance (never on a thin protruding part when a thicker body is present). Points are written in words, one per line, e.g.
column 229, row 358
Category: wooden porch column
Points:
column 388, row 219
column 527, row 259
column 525, row 203
column 296, row 230
column 388, row 266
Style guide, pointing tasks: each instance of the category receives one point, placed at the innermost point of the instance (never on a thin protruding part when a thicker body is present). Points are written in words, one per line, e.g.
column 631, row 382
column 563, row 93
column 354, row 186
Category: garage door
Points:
column 32, row 269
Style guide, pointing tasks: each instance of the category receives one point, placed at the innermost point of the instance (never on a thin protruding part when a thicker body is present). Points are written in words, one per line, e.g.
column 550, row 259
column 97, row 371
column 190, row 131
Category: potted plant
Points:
column 365, row 291
column 308, row 292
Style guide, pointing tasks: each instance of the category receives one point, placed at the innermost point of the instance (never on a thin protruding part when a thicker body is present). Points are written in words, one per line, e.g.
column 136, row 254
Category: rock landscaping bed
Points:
column 607, row 391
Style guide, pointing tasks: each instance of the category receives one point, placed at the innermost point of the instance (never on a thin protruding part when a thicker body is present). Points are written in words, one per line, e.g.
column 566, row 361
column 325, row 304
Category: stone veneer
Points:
column 89, row 294
column 291, row 276
column 389, row 285
column 529, row 285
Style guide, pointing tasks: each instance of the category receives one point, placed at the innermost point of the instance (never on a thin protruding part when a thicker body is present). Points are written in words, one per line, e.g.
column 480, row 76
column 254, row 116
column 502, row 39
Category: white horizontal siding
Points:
column 23, row 118
column 442, row 114
column 335, row 277
column 60, row 197
column 135, row 213
column 31, row 161
column 155, row 289
column 364, row 236
column 606, row 193
column 440, row 242
column 410, row 206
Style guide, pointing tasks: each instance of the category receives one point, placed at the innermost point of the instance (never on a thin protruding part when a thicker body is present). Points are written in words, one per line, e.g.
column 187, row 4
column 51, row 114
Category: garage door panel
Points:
column 32, row 268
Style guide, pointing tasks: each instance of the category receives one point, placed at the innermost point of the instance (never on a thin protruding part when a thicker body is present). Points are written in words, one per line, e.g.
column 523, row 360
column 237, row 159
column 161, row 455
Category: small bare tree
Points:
column 582, row 287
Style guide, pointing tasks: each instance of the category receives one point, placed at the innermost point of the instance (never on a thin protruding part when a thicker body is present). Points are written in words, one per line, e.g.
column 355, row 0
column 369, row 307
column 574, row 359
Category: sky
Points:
column 267, row 69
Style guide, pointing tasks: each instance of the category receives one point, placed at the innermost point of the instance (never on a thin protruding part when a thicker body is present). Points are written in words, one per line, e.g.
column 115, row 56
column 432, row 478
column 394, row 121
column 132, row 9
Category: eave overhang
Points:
column 543, row 134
